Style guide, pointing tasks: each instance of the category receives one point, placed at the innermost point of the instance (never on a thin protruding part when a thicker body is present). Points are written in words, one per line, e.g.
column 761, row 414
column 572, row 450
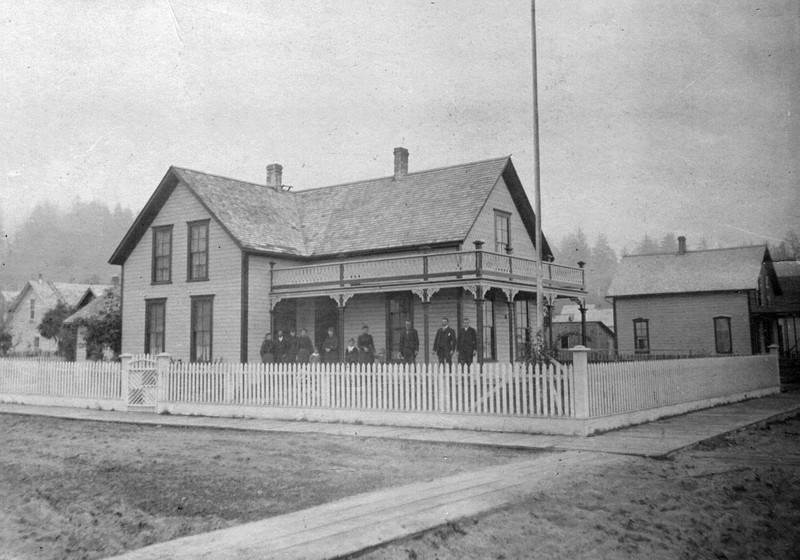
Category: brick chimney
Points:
column 400, row 163
column 275, row 176
column 681, row 245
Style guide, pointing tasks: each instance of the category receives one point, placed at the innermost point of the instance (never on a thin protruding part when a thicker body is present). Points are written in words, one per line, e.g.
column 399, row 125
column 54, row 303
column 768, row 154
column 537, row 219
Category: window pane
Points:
column 722, row 334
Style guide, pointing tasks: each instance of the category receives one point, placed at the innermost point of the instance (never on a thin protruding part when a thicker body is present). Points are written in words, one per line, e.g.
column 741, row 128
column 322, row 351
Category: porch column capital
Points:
column 477, row 290
column 343, row 299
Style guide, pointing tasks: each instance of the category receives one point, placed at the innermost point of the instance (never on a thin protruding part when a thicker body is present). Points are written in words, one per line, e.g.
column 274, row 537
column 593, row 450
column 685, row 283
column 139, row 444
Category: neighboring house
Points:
column 211, row 264
column 787, row 307
column 94, row 309
column 7, row 297
column 599, row 328
column 709, row 302
column 35, row 299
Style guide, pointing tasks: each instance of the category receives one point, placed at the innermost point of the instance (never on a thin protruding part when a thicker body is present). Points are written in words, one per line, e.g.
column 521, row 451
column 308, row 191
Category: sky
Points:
column 661, row 116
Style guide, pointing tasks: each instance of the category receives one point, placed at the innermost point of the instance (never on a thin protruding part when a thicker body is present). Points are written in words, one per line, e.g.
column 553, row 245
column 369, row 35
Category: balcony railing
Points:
column 429, row 267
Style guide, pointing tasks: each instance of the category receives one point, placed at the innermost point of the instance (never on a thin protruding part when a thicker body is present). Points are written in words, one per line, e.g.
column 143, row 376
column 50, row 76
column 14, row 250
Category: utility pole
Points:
column 537, row 195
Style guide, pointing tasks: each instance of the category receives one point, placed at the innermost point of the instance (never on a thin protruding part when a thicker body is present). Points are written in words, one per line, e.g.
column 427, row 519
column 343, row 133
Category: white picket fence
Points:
column 92, row 380
column 494, row 389
column 621, row 387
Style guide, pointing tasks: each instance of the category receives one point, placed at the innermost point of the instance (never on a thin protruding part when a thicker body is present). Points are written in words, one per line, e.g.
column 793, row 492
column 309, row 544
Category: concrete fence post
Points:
column 162, row 372
column 125, row 372
column 580, row 365
column 775, row 365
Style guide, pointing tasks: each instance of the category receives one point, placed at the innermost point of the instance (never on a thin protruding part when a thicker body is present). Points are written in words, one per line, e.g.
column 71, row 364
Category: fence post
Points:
column 125, row 360
column 775, row 365
column 580, row 365
column 162, row 372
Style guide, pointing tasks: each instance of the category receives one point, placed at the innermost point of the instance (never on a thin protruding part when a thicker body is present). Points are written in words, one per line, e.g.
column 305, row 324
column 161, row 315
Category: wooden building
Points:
column 211, row 264
column 718, row 301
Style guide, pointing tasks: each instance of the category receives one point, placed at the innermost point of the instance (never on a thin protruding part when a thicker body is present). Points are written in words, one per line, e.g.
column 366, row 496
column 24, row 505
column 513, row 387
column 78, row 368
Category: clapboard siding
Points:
column 224, row 284
column 483, row 229
column 25, row 330
column 685, row 322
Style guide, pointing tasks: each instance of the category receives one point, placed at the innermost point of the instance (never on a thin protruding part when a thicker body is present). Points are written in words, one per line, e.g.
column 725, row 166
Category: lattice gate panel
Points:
column 142, row 384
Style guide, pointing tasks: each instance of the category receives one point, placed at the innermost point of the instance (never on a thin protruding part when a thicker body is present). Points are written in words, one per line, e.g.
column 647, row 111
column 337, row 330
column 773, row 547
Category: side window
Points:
column 162, row 255
column 641, row 336
column 155, row 326
column 722, row 335
column 202, row 326
column 399, row 310
column 198, row 251
column 33, row 309
column 502, row 231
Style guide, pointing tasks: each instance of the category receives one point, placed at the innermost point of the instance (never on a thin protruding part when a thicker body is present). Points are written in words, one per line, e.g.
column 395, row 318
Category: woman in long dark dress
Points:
column 304, row 347
column 366, row 346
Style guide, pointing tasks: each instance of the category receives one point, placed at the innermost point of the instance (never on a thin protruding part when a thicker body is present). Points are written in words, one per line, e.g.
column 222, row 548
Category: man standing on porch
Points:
column 409, row 344
column 445, row 343
column 467, row 343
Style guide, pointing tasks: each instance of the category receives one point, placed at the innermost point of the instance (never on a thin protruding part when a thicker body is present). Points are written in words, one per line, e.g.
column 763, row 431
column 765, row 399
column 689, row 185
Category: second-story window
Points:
column 502, row 232
column 198, row 250
column 162, row 254
column 33, row 309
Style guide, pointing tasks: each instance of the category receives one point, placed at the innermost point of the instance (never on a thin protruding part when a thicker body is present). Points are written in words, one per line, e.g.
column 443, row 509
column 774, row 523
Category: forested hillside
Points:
column 63, row 245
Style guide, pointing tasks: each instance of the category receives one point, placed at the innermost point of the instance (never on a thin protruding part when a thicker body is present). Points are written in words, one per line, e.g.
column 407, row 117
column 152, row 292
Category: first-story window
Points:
column 722, row 335
column 522, row 330
column 155, row 326
column 202, row 324
column 641, row 336
column 489, row 338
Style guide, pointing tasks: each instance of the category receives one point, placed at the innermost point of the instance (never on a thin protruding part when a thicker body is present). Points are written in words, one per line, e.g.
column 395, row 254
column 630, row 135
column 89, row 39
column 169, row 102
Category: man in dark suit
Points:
column 445, row 343
column 467, row 343
column 409, row 343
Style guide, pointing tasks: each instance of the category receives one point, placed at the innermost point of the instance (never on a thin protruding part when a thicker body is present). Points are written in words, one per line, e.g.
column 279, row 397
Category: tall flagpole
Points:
column 537, row 194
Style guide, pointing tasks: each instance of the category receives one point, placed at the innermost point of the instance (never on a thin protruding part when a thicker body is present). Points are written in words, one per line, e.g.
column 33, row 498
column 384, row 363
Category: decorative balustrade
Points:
column 426, row 267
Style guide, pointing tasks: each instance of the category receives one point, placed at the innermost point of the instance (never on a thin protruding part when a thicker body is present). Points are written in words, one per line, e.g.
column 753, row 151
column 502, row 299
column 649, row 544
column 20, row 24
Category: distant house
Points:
column 718, row 301
column 599, row 328
column 787, row 307
column 35, row 299
column 94, row 309
column 211, row 264
column 7, row 297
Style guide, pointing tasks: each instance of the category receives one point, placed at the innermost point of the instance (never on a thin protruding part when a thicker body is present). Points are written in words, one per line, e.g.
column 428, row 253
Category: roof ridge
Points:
column 760, row 246
column 407, row 175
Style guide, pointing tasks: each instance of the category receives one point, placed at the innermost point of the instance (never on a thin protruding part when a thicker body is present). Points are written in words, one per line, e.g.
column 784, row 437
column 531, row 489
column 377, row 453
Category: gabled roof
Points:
column 435, row 207
column 48, row 294
column 570, row 313
column 715, row 270
column 99, row 305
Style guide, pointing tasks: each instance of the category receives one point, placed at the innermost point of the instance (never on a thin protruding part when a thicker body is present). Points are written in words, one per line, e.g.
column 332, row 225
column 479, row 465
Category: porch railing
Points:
column 424, row 268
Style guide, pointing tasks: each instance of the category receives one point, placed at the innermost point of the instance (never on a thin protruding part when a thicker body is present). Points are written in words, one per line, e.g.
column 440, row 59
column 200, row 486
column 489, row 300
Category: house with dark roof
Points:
column 31, row 304
column 568, row 330
column 787, row 308
column 212, row 264
column 718, row 301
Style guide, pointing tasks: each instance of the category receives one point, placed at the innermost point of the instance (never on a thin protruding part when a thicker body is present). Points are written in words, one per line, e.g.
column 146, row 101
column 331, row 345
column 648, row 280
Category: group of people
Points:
column 445, row 344
column 289, row 348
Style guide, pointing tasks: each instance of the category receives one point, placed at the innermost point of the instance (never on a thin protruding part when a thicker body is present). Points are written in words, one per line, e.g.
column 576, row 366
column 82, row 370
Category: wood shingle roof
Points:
column 714, row 270
column 426, row 208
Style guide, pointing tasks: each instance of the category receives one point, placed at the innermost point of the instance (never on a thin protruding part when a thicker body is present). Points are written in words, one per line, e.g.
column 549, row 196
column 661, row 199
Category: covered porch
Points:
column 495, row 292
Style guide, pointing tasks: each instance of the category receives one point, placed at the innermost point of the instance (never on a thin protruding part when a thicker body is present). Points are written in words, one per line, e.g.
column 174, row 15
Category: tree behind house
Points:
column 52, row 328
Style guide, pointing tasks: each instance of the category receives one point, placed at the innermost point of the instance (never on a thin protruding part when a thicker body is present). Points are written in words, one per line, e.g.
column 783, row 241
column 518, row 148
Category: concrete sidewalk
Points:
column 353, row 524
column 654, row 439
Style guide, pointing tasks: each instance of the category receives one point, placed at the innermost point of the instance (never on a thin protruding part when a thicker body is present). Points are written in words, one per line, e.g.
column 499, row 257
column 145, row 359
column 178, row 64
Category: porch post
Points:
column 426, row 329
column 511, row 320
column 340, row 309
column 479, row 309
column 581, row 371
